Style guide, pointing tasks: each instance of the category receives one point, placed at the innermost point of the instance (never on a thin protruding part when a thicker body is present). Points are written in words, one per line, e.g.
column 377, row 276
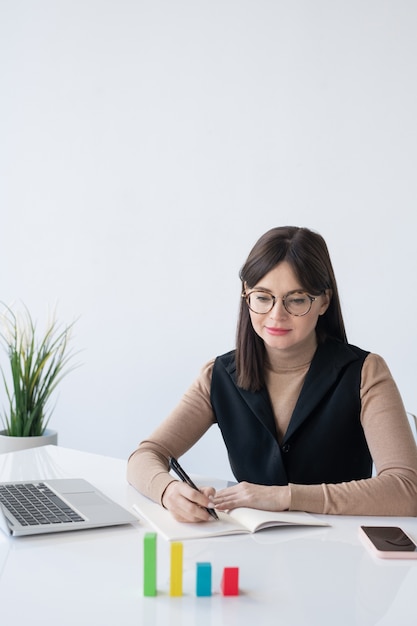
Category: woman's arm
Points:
column 148, row 466
column 393, row 491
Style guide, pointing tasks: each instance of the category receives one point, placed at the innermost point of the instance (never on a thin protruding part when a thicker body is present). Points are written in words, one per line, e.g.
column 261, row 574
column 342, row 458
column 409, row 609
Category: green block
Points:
column 149, row 564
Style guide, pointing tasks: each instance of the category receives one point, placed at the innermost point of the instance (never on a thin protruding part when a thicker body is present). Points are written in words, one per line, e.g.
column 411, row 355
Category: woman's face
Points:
column 279, row 329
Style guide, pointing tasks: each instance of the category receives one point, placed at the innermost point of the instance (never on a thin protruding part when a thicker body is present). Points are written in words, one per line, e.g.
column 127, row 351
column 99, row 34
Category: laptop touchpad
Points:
column 81, row 500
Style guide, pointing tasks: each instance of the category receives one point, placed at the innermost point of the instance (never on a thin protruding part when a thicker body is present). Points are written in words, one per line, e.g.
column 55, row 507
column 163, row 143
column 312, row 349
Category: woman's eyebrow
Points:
column 260, row 288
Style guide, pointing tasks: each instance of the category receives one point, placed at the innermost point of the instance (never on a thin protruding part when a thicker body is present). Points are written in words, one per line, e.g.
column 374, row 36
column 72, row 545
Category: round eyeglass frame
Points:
column 246, row 295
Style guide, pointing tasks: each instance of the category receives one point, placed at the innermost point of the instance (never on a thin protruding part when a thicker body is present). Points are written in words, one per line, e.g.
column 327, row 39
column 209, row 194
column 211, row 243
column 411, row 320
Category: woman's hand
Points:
column 269, row 498
column 187, row 504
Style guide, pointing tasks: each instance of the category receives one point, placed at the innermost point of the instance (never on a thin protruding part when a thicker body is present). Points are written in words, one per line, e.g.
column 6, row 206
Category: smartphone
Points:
column 388, row 542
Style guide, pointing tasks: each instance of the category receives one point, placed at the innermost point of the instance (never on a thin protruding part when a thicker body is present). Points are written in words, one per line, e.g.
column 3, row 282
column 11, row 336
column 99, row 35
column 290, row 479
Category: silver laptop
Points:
column 50, row 506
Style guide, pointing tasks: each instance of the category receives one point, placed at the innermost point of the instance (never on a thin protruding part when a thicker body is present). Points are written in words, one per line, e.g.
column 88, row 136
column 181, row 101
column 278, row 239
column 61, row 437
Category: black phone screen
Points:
column 389, row 539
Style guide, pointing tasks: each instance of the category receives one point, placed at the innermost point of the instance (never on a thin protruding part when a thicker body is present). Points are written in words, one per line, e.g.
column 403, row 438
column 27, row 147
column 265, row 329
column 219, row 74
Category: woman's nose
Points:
column 278, row 310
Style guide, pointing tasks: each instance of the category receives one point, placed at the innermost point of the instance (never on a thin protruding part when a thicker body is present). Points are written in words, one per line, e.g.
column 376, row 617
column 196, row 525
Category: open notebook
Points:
column 50, row 506
column 239, row 521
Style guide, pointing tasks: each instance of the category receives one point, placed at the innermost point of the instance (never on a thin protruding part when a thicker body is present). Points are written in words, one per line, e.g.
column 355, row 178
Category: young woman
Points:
column 304, row 415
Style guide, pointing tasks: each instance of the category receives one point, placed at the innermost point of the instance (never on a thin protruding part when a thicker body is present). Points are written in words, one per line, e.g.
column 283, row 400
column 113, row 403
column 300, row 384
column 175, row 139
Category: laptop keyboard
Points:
column 34, row 504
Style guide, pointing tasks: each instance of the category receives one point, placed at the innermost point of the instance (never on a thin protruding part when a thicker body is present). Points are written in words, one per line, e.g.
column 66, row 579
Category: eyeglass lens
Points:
column 297, row 303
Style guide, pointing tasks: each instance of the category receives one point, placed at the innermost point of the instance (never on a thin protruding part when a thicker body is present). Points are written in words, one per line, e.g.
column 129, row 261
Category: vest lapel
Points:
column 330, row 358
column 258, row 402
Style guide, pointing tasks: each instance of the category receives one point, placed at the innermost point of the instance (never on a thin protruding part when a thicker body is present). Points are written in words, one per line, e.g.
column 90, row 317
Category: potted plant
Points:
column 36, row 365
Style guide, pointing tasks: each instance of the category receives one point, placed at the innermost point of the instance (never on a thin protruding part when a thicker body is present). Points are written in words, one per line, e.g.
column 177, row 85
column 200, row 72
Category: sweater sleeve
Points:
column 393, row 488
column 148, row 468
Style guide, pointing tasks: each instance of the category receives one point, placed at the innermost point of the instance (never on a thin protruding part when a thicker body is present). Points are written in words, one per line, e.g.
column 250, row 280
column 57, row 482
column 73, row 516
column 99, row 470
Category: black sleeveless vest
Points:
column 324, row 442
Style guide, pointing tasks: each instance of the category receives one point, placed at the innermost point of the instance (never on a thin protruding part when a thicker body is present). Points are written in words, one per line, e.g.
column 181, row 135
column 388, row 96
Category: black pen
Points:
column 176, row 467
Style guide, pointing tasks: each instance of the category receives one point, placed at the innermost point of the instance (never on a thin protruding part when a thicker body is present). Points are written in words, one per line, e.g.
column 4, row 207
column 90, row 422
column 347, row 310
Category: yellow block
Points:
column 175, row 588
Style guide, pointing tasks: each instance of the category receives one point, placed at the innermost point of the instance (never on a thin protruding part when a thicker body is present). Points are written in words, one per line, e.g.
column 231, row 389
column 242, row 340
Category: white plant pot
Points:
column 11, row 444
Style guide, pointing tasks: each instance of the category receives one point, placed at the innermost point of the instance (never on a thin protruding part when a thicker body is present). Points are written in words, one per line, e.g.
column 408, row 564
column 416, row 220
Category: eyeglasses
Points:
column 296, row 303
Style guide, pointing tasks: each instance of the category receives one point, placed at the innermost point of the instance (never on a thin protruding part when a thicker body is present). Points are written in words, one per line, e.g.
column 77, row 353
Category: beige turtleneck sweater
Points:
column 392, row 491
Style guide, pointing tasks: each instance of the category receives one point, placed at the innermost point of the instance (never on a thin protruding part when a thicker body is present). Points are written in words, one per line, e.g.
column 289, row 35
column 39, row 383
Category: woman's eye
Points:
column 263, row 298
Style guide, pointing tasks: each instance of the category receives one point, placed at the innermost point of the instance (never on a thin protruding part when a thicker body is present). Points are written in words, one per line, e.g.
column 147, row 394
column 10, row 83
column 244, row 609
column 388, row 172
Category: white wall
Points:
column 146, row 144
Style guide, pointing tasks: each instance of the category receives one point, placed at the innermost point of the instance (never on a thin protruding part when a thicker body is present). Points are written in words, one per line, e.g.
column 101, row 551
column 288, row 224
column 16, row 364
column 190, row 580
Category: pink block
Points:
column 230, row 581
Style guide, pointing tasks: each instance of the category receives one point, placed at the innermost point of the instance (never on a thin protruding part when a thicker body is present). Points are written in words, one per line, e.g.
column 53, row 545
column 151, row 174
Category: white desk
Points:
column 288, row 576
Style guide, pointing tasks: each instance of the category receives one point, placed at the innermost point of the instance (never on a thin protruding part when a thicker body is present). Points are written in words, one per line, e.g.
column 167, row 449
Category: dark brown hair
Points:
column 307, row 253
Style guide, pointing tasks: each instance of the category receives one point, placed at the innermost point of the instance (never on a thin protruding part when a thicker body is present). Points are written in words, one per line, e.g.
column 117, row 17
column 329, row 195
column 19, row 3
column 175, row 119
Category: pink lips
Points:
column 279, row 332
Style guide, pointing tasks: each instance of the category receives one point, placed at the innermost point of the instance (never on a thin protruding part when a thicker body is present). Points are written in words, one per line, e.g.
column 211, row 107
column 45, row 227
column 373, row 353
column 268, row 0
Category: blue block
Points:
column 203, row 583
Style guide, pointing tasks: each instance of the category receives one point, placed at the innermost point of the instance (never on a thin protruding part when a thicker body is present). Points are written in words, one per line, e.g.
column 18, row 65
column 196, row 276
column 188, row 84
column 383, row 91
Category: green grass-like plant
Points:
column 36, row 368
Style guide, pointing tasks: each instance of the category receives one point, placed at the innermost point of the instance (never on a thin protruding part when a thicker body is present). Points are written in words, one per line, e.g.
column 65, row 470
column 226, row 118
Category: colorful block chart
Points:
column 229, row 582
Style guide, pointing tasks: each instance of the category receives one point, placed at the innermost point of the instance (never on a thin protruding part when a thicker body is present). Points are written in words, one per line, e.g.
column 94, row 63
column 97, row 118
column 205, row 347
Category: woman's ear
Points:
column 326, row 298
